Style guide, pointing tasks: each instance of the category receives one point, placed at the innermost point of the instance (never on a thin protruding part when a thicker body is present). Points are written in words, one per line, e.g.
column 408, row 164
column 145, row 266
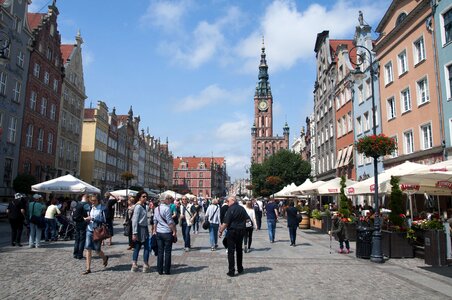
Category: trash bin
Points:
column 363, row 242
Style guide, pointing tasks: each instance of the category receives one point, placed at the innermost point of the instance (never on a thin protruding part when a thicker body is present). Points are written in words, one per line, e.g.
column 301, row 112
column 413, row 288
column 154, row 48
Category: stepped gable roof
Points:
column 34, row 19
column 66, row 51
column 193, row 162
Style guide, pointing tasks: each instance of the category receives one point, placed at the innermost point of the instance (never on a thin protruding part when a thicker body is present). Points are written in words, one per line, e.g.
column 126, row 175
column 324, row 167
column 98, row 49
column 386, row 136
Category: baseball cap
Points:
column 37, row 196
column 18, row 196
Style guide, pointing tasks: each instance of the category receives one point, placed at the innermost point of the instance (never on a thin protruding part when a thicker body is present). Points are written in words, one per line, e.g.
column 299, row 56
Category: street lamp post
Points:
column 377, row 254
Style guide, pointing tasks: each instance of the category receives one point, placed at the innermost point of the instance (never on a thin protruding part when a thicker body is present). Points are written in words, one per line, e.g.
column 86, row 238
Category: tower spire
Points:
column 263, row 86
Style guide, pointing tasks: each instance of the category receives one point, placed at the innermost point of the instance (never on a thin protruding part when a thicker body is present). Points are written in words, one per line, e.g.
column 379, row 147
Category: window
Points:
column 62, row 149
column 55, row 86
column 49, row 54
column 349, row 121
column 449, row 84
column 331, row 129
column 29, row 136
column 403, row 63
column 366, row 121
column 8, row 173
column 20, row 59
column 426, row 136
column 359, row 126
column 339, row 129
column 46, row 77
column 395, row 153
column 33, row 100
column 389, row 75
column 422, row 91
column 50, row 143
column 368, row 89
column 405, row 100
column 3, row 78
column 344, row 125
column 52, row 111
column 360, row 94
column 419, row 50
column 36, row 70
column 391, row 108
column 12, row 128
column 200, row 183
column 43, row 106
column 447, row 19
column 408, row 142
column 40, row 139
column 16, row 91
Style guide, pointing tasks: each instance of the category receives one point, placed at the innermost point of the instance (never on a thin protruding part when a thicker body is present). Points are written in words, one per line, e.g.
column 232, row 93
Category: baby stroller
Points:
column 66, row 228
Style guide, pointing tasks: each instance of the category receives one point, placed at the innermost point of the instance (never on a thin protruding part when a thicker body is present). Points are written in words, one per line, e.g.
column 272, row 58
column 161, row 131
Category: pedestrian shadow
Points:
column 443, row 271
column 120, row 268
column 257, row 269
column 304, row 244
column 179, row 269
column 282, row 241
column 199, row 248
column 260, row 249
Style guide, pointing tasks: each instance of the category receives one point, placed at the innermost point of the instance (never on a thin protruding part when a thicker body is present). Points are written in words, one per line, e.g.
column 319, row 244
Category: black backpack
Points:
column 78, row 212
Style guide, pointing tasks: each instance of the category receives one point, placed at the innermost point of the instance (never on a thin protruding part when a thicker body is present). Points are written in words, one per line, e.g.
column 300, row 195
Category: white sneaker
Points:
column 187, row 249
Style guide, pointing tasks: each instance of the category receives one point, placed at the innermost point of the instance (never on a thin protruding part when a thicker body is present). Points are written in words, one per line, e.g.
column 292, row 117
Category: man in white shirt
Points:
column 187, row 217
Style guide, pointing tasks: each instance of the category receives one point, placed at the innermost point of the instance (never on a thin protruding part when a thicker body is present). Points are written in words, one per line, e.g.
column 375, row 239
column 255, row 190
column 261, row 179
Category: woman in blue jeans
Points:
column 213, row 215
column 140, row 232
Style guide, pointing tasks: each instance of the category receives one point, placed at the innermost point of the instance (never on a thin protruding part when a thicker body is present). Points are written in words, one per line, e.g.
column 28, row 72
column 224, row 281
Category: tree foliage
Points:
column 277, row 171
column 23, row 182
column 395, row 204
column 344, row 208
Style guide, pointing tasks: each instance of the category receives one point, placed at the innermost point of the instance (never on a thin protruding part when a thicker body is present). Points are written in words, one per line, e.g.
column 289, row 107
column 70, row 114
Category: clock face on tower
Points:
column 262, row 105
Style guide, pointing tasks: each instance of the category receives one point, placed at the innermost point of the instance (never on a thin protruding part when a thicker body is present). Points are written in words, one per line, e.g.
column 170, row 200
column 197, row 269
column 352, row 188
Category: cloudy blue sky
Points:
column 189, row 67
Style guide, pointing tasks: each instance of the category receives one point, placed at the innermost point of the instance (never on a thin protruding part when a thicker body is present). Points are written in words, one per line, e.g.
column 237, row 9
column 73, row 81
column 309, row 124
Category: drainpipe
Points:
column 431, row 29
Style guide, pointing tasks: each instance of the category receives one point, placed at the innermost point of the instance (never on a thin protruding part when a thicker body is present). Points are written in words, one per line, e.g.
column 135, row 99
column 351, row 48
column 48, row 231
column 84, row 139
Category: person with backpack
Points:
column 16, row 217
column 79, row 213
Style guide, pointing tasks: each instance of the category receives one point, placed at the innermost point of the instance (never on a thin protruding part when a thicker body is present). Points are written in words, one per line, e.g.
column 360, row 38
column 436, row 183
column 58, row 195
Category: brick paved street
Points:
column 271, row 271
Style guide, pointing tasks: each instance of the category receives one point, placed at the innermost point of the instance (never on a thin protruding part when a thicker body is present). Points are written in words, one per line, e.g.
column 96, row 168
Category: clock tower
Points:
column 263, row 143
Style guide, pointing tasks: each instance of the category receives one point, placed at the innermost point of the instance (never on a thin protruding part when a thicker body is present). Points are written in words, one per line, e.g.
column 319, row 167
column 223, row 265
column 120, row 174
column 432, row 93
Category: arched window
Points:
column 400, row 18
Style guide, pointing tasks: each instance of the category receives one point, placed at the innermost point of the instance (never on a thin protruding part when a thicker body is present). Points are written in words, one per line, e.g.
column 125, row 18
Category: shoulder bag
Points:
column 206, row 224
column 101, row 232
column 37, row 220
column 174, row 236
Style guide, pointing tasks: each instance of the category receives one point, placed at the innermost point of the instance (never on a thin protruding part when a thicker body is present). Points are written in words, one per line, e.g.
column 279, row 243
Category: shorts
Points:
column 90, row 244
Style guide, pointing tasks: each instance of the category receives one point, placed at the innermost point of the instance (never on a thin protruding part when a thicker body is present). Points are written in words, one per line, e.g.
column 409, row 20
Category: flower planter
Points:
column 326, row 224
column 396, row 245
column 305, row 222
column 351, row 231
column 435, row 247
column 316, row 224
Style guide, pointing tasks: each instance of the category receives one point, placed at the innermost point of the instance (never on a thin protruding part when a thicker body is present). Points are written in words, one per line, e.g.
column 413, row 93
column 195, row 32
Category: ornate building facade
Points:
column 263, row 143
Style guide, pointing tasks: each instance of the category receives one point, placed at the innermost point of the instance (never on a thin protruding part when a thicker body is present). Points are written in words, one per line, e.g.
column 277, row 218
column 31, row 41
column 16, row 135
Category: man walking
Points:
column 259, row 207
column 235, row 222
column 187, row 215
column 272, row 216
column 79, row 213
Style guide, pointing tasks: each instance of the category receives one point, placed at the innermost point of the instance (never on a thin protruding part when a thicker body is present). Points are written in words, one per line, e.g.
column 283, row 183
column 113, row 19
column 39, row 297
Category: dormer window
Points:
column 400, row 18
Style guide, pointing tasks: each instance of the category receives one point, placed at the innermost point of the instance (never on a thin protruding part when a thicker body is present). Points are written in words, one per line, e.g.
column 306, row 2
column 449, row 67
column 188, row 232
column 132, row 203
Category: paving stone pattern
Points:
column 272, row 271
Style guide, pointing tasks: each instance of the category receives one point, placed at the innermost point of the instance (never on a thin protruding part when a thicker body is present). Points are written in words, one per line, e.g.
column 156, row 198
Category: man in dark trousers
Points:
column 79, row 212
column 234, row 221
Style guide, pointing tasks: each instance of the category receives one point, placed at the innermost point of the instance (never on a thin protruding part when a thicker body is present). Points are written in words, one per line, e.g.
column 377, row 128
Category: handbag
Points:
column 153, row 244
column 206, row 224
column 126, row 229
column 101, row 233
column 248, row 223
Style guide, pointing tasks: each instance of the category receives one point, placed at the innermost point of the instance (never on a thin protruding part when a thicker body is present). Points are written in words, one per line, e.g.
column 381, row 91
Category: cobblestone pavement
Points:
column 271, row 271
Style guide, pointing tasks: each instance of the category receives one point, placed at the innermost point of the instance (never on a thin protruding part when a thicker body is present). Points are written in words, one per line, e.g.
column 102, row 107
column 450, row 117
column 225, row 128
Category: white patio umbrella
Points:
column 312, row 188
column 124, row 193
column 298, row 189
column 66, row 184
column 173, row 194
column 333, row 186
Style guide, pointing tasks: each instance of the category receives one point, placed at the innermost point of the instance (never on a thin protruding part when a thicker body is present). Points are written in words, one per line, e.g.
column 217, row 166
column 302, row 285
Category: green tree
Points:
column 286, row 165
column 23, row 182
column 344, row 208
column 395, row 204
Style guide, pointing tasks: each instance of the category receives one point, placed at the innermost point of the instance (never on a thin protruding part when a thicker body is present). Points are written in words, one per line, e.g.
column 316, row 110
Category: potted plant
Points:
column 316, row 219
column 396, row 238
column 431, row 239
column 344, row 210
column 376, row 145
column 305, row 212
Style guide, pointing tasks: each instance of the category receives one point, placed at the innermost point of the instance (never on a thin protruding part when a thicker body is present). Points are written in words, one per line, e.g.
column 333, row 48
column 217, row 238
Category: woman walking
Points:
column 35, row 208
column 248, row 238
column 128, row 222
column 140, row 232
column 16, row 217
column 213, row 215
column 95, row 218
column 196, row 217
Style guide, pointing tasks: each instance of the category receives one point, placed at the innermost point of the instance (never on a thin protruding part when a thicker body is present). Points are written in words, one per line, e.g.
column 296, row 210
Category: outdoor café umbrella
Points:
column 66, row 184
column 124, row 193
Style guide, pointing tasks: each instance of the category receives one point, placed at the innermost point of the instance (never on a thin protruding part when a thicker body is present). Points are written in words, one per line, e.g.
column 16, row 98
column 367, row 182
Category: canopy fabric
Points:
column 173, row 194
column 124, row 193
column 312, row 188
column 333, row 186
column 286, row 191
column 368, row 186
column 66, row 184
column 298, row 189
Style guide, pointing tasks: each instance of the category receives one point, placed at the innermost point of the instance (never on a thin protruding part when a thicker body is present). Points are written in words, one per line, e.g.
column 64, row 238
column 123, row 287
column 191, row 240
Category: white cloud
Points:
column 236, row 165
column 210, row 95
column 290, row 34
column 234, row 131
column 164, row 14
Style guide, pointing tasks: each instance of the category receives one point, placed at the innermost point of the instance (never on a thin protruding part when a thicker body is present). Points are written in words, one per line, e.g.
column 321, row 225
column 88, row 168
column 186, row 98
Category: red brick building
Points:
column 42, row 100
column 201, row 176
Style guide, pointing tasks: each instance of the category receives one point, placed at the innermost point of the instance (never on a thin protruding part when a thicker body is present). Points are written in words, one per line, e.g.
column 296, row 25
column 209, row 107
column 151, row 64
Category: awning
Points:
column 349, row 156
column 338, row 160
